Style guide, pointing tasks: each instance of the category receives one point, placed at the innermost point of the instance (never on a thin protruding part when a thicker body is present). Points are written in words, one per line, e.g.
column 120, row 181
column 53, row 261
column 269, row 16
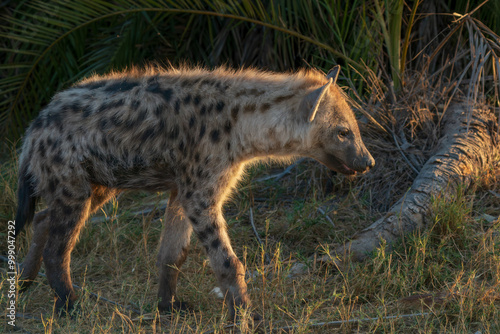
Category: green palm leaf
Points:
column 52, row 44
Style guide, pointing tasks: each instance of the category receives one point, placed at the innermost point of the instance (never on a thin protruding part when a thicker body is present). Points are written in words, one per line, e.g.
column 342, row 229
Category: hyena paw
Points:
column 174, row 306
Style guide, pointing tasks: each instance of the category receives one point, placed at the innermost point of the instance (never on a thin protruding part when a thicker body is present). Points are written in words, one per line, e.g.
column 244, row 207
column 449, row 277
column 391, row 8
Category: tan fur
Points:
column 190, row 131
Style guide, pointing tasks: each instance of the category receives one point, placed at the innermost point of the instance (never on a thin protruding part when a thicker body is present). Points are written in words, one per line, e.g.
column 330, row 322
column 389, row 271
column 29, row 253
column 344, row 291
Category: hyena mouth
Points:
column 334, row 163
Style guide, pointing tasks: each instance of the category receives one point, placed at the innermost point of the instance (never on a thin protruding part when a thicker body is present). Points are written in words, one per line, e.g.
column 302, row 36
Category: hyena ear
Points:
column 334, row 73
column 313, row 99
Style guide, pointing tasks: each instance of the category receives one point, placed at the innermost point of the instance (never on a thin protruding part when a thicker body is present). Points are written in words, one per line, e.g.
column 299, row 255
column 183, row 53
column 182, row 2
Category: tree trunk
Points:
column 467, row 148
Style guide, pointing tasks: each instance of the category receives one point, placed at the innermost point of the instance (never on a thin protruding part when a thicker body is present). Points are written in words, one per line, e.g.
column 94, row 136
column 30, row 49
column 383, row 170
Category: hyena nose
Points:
column 369, row 162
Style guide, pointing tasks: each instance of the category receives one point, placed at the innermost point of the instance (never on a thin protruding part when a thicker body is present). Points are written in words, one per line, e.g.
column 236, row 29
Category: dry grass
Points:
column 451, row 274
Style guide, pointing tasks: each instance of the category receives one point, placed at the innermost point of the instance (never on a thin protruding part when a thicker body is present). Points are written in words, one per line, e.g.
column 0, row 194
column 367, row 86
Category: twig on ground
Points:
column 5, row 259
column 497, row 195
column 403, row 154
column 320, row 210
column 339, row 323
column 281, row 174
column 268, row 260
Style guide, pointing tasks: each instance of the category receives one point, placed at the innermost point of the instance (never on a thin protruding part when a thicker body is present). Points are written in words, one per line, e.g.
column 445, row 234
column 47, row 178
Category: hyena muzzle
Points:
column 187, row 131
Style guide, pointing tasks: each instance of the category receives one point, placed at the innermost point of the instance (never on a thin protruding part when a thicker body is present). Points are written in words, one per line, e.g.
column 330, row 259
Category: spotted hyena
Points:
column 188, row 131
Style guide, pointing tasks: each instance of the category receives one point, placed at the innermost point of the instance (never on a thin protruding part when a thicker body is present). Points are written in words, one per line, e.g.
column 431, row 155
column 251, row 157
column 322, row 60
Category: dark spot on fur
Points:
column 66, row 193
column 199, row 172
column 74, row 107
column 215, row 136
column 103, row 123
column 234, row 112
column 37, row 123
column 220, row 106
column 55, row 144
column 187, row 99
column 210, row 108
column 174, row 132
column 255, row 92
column 158, row 111
column 203, row 235
column 202, row 131
column 93, row 85
column 86, row 111
column 54, row 118
column 221, row 87
column 192, row 122
column 110, row 105
column 228, row 146
column 181, row 146
column 104, row 142
column 197, row 157
column 265, row 107
column 193, row 220
column 129, row 124
column 150, row 133
column 177, row 106
column 142, row 116
column 166, row 94
column 53, row 183
column 227, row 127
column 282, row 98
column 189, row 194
column 96, row 154
column 197, row 100
column 249, row 108
column 215, row 244
column 121, row 86
column 161, row 125
column 67, row 210
column 227, row 263
column 135, row 104
column 41, row 149
column 203, row 110
column 115, row 119
column 138, row 161
column 57, row 158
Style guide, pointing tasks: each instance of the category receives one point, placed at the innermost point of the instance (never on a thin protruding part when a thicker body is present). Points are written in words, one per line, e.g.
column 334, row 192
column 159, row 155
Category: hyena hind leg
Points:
column 174, row 246
column 31, row 265
column 33, row 261
column 67, row 218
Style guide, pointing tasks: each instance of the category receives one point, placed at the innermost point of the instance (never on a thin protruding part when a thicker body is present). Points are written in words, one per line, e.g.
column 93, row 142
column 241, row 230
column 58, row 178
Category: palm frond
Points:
column 50, row 44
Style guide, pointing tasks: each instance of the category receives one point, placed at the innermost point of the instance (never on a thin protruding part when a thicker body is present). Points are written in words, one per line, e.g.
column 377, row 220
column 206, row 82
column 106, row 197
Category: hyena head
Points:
column 334, row 132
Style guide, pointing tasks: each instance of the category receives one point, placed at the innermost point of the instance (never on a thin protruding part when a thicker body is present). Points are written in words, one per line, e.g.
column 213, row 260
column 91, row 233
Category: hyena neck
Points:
column 279, row 132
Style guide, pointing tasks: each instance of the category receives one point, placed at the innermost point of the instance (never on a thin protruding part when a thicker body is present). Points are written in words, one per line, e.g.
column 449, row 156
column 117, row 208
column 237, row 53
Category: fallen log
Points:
column 468, row 146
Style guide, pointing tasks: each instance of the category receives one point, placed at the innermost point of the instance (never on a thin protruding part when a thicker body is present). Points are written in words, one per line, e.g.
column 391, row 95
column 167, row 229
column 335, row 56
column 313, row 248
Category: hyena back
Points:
column 188, row 131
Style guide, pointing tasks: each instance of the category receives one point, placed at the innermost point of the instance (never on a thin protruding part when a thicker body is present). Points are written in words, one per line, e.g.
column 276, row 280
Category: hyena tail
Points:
column 26, row 200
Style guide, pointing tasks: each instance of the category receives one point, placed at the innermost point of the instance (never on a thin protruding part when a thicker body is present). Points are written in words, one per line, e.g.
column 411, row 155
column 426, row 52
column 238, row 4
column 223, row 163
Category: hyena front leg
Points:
column 210, row 227
column 174, row 246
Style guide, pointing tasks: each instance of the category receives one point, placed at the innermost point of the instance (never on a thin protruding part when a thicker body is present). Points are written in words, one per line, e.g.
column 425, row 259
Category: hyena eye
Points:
column 343, row 133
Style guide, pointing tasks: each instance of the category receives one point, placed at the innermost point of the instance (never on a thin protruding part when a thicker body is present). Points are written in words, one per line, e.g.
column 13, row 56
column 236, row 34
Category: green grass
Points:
column 450, row 273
